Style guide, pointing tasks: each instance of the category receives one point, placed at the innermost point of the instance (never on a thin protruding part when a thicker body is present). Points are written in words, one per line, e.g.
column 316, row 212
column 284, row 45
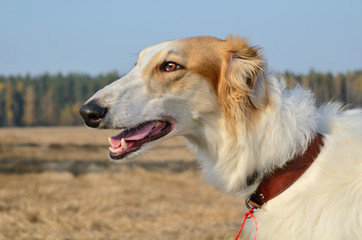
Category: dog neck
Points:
column 283, row 130
column 274, row 184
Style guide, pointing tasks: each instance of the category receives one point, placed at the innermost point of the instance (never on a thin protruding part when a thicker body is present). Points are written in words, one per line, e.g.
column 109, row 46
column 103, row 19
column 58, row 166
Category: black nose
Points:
column 93, row 114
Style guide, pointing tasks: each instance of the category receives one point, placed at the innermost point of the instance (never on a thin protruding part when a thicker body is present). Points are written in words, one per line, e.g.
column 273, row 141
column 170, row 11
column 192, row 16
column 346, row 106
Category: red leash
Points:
column 249, row 214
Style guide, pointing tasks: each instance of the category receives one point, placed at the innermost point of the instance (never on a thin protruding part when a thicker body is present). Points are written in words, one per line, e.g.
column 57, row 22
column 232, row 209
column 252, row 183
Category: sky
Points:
column 93, row 37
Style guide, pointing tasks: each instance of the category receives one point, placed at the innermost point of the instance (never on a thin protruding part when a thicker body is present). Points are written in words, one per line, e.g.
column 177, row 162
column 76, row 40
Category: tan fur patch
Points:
column 237, row 82
column 231, row 67
column 204, row 56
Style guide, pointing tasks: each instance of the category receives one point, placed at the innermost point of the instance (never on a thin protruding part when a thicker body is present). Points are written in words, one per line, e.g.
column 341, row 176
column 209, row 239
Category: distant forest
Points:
column 54, row 99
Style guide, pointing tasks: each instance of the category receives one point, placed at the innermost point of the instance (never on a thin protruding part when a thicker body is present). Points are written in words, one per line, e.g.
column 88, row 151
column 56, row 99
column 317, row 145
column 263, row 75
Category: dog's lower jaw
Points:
column 130, row 156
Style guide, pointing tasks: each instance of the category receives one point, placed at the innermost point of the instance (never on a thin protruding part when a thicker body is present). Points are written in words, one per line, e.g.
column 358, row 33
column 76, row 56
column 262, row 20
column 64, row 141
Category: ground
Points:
column 56, row 184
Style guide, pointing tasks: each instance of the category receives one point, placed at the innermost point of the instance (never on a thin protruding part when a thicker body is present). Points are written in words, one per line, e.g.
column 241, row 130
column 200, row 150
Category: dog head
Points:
column 175, row 88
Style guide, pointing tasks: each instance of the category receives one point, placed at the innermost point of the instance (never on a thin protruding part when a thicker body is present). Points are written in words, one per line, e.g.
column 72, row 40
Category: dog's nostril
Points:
column 97, row 115
column 92, row 114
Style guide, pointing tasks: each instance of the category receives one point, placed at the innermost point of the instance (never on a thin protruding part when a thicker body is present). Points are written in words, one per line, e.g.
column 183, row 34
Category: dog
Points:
column 244, row 124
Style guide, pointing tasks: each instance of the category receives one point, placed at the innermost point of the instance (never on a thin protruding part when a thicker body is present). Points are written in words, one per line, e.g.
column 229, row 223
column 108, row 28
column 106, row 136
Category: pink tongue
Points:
column 139, row 134
column 142, row 132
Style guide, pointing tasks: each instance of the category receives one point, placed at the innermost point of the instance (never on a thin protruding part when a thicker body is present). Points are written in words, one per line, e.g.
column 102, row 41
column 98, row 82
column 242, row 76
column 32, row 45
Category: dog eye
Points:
column 170, row 67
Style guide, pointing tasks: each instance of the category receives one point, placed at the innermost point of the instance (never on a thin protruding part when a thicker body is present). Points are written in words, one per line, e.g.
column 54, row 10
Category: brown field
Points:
column 55, row 183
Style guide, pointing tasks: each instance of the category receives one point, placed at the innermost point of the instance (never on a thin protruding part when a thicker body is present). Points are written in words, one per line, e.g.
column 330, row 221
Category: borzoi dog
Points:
column 249, row 131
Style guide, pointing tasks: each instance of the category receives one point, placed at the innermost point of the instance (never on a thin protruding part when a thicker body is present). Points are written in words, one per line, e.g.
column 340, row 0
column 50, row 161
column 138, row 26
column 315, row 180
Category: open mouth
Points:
column 132, row 139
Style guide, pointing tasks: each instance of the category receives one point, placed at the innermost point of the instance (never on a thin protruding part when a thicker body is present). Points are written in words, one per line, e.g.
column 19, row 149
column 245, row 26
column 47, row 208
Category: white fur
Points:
column 325, row 203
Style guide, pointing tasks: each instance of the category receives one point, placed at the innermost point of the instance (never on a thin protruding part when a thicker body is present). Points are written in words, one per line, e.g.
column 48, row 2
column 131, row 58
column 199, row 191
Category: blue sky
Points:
column 88, row 36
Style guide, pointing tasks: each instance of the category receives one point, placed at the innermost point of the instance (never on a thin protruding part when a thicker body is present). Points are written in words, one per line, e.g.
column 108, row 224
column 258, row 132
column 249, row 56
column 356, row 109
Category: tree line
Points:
column 47, row 100
column 54, row 99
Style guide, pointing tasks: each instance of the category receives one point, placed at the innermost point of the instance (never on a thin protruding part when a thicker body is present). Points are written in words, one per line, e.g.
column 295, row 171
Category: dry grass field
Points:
column 55, row 183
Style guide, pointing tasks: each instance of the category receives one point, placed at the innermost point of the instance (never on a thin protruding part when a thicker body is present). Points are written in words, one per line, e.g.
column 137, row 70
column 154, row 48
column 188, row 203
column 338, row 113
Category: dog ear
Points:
column 246, row 69
column 243, row 87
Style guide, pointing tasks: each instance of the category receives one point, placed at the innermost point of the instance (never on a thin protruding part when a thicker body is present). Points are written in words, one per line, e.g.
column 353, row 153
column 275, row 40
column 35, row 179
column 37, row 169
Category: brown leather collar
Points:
column 274, row 184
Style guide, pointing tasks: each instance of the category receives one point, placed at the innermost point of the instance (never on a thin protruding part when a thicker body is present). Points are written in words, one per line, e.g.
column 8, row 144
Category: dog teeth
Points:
column 115, row 150
column 158, row 124
column 123, row 143
column 120, row 148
